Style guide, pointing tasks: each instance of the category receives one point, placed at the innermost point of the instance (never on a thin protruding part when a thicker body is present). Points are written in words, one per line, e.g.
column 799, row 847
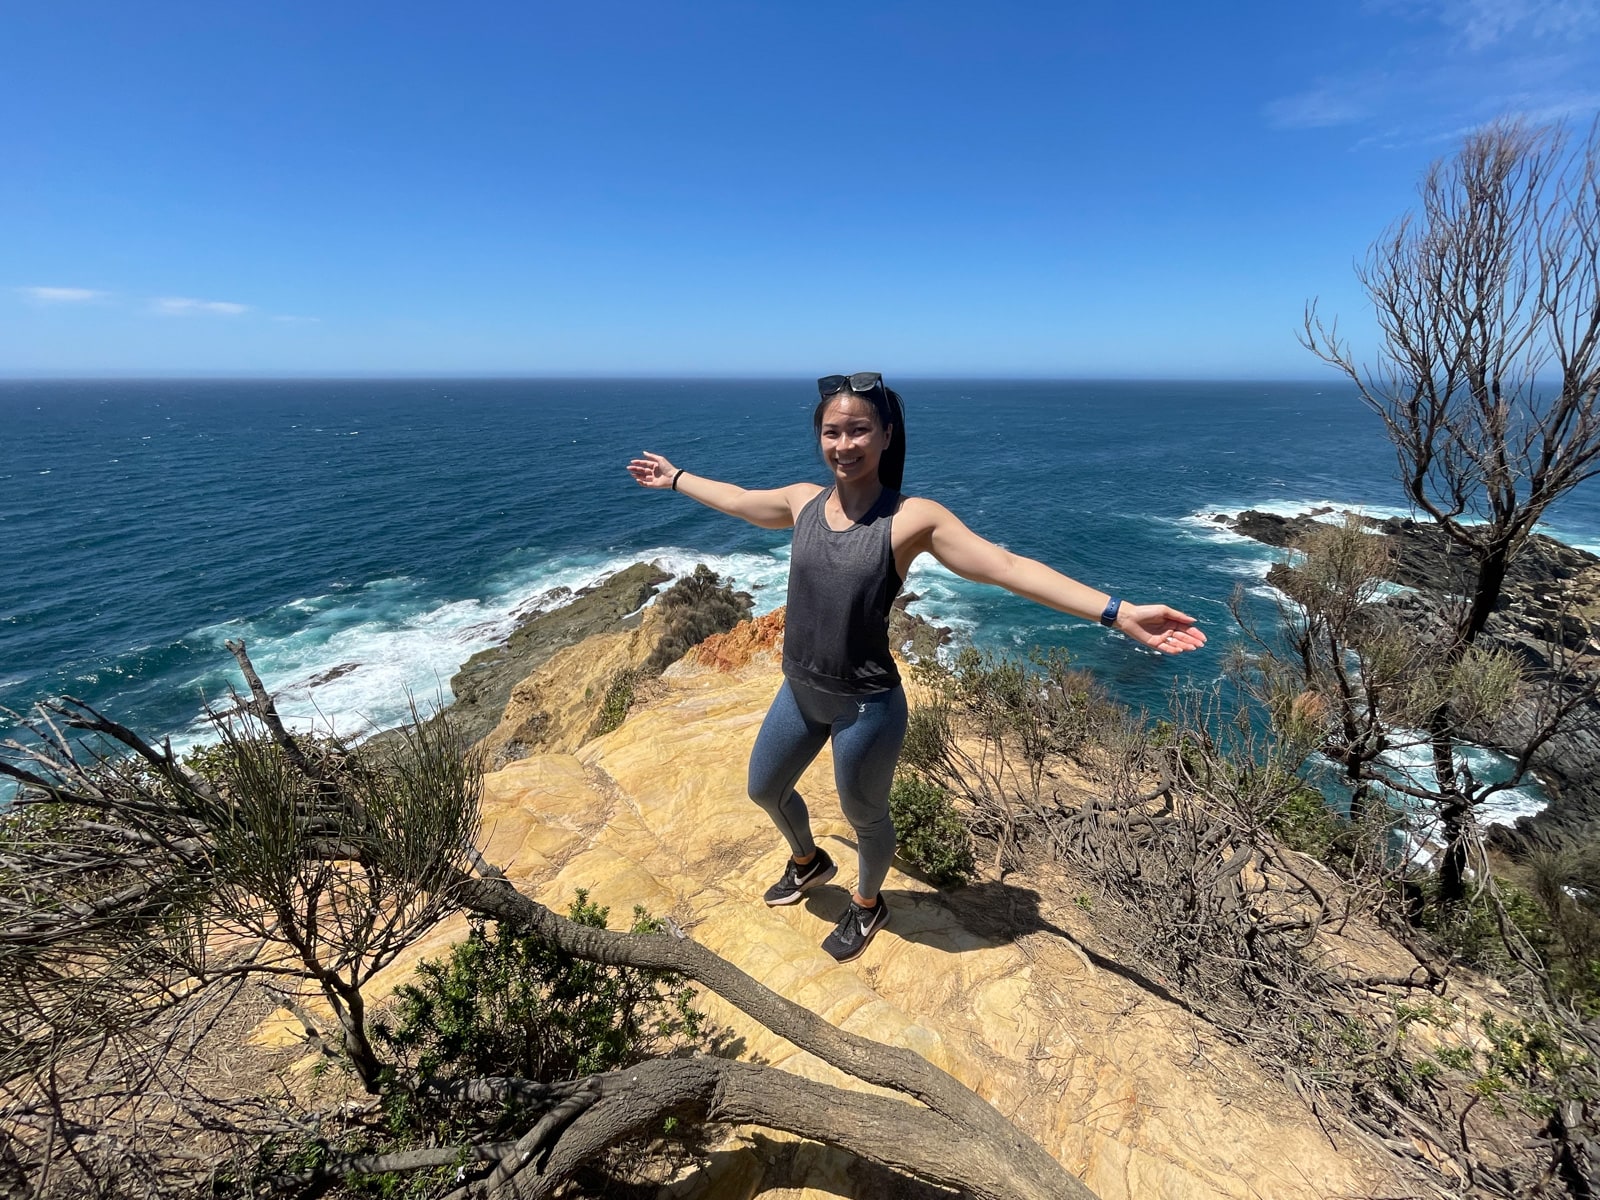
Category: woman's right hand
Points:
column 652, row 471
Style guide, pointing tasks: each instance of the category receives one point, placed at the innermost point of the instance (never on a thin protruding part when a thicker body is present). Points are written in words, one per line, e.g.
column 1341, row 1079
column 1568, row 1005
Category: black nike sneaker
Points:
column 855, row 929
column 798, row 880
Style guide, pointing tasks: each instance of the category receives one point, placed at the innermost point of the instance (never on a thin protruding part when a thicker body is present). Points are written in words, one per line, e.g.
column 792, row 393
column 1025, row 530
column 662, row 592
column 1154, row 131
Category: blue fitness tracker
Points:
column 1109, row 617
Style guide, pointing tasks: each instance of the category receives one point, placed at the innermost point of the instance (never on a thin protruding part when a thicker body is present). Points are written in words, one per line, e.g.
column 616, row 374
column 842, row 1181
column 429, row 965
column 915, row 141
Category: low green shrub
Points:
column 932, row 836
column 928, row 737
column 619, row 695
column 1531, row 1064
column 1300, row 817
column 1470, row 931
column 1037, row 699
column 503, row 1002
column 506, row 1002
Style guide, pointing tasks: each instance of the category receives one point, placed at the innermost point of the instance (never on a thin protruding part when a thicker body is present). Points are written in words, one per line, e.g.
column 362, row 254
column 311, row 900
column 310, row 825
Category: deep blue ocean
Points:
column 401, row 525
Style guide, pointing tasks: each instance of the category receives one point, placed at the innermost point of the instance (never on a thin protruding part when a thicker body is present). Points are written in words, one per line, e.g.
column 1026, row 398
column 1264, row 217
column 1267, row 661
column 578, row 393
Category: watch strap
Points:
column 1109, row 617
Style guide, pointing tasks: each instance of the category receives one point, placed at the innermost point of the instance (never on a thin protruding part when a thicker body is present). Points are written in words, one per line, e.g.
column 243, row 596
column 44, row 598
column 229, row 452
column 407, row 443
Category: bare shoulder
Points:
column 801, row 494
column 917, row 514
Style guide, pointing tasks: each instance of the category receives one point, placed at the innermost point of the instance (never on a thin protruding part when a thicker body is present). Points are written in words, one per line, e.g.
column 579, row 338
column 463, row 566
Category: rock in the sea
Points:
column 915, row 637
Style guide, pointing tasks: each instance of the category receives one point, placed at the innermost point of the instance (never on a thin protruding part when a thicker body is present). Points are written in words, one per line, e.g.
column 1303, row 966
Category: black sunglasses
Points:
column 862, row 383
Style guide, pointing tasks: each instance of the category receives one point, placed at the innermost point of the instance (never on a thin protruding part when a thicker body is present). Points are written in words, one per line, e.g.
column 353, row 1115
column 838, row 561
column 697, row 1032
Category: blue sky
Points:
column 729, row 188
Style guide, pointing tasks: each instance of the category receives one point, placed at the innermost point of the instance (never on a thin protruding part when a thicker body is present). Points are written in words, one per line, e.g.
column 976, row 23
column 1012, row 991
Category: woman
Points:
column 853, row 544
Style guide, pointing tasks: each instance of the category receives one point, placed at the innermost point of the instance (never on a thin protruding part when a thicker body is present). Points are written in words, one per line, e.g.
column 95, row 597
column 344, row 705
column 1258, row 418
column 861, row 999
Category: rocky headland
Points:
column 1008, row 985
column 1015, row 984
column 483, row 685
column 1551, row 598
column 517, row 698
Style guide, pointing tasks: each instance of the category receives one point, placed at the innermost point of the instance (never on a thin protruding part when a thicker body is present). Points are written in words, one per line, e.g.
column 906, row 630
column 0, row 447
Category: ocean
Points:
column 365, row 537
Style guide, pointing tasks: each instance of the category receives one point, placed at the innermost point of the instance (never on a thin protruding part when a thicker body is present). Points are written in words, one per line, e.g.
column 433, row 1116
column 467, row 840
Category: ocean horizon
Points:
column 365, row 536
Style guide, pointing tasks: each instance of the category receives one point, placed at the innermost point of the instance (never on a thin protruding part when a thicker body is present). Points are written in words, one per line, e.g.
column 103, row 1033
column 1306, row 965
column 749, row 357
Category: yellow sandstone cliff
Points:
column 1128, row 1090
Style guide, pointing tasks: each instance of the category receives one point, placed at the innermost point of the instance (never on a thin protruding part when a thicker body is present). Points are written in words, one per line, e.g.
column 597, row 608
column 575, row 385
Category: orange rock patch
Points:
column 734, row 649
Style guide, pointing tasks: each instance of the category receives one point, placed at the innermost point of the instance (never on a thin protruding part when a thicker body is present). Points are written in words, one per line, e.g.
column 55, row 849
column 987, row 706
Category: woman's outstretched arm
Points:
column 772, row 508
column 943, row 535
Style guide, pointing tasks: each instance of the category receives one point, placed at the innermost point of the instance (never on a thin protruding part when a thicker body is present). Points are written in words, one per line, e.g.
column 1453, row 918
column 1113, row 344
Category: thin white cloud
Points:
column 1449, row 65
column 178, row 306
column 1483, row 23
column 62, row 295
column 1320, row 107
column 1478, row 24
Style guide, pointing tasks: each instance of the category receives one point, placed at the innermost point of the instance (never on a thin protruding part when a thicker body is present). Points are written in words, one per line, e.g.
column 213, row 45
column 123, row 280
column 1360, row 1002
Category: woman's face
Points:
column 852, row 439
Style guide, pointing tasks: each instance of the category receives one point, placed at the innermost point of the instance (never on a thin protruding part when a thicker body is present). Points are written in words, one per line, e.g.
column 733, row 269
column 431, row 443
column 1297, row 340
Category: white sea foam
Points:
column 402, row 644
column 764, row 576
column 1412, row 761
column 944, row 598
column 1302, row 508
column 1202, row 526
column 1577, row 541
column 1385, row 589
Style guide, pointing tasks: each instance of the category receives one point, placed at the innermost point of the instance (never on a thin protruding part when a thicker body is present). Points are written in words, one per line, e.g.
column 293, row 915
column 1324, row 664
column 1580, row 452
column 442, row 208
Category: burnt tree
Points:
column 1487, row 379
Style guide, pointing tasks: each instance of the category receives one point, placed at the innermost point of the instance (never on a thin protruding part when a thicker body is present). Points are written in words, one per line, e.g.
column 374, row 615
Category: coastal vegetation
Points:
column 182, row 896
column 152, row 903
column 695, row 607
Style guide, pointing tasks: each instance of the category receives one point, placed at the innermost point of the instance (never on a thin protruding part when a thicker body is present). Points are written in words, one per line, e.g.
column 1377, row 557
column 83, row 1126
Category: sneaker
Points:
column 855, row 929
column 798, row 880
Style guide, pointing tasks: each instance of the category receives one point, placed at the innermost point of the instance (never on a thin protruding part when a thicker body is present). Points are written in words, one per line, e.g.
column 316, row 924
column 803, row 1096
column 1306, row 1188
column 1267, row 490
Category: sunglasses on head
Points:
column 862, row 383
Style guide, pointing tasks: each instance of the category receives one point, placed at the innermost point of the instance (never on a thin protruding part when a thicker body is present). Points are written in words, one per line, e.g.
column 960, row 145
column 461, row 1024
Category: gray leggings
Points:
column 867, row 732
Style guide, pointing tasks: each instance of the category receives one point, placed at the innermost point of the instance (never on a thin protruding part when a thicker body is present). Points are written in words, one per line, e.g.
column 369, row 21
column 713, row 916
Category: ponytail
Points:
column 892, row 466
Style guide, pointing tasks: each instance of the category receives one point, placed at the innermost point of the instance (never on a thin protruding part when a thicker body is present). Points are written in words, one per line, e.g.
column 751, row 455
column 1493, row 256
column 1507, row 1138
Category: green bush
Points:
column 928, row 737
column 506, row 1002
column 619, row 695
column 1470, row 931
column 1038, row 701
column 932, row 836
column 1300, row 818
column 1532, row 1063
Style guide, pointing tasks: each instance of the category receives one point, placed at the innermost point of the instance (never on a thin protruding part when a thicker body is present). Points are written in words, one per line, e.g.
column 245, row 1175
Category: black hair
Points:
column 886, row 406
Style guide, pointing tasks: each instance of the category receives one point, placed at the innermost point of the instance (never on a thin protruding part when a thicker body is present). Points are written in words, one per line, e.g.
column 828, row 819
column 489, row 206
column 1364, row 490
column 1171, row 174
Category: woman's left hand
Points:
column 1159, row 627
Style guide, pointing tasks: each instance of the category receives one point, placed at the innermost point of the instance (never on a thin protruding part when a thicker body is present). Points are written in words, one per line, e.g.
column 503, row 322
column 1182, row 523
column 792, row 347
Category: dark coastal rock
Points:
column 482, row 686
column 916, row 637
column 1550, row 606
column 328, row 676
column 1268, row 528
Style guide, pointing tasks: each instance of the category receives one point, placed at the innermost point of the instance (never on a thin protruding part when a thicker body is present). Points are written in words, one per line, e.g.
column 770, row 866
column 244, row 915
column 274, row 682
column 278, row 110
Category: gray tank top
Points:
column 841, row 586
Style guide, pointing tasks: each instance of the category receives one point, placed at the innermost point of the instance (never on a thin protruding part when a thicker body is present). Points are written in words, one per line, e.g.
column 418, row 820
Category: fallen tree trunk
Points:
column 601, row 1111
column 958, row 1139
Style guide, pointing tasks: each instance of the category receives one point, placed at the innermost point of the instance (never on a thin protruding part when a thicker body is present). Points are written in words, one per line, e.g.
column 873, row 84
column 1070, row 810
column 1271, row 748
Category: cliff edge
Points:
column 1133, row 1094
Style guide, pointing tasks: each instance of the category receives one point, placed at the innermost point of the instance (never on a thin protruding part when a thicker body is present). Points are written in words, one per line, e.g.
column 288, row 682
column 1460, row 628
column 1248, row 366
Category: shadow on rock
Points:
column 979, row 916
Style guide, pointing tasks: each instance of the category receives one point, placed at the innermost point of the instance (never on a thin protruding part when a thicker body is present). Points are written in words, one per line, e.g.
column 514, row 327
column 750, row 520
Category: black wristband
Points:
column 1109, row 617
column 675, row 479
